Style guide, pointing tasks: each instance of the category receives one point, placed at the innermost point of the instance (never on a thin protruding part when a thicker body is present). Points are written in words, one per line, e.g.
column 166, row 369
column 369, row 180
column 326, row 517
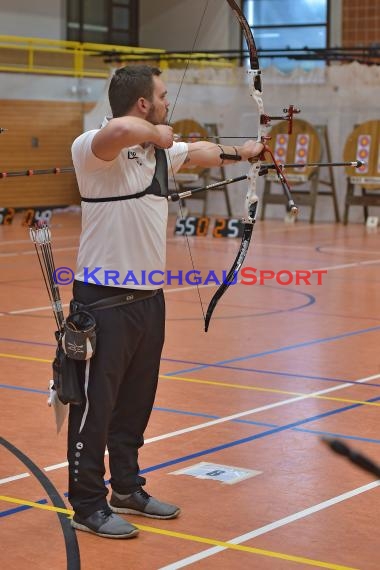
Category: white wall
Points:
column 33, row 18
column 47, row 88
column 173, row 25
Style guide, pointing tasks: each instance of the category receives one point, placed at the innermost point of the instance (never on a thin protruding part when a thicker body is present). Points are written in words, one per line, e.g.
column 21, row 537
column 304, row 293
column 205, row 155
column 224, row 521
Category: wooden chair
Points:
column 363, row 144
column 307, row 143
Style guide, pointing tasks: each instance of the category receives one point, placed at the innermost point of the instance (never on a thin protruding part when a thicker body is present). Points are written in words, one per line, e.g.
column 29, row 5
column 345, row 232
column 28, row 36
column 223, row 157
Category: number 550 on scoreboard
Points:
column 199, row 227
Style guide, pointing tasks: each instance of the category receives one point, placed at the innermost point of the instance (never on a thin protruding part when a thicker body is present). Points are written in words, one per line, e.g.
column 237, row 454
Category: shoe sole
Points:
column 79, row 526
column 123, row 511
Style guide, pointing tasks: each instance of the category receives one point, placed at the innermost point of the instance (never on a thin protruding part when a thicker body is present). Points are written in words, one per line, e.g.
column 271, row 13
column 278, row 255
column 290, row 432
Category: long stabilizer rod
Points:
column 354, row 456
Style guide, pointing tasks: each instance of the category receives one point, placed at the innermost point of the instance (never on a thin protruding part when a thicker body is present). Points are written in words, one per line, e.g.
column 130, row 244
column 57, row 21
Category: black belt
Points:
column 114, row 301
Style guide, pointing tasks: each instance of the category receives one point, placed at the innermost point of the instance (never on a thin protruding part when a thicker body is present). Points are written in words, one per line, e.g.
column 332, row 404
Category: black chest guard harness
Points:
column 158, row 186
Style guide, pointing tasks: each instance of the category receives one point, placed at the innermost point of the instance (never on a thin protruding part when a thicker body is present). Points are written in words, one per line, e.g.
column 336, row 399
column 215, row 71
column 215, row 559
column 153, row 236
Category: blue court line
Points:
column 338, row 435
column 311, row 300
column 272, row 372
column 216, row 365
column 277, row 350
column 21, row 508
column 266, row 424
column 33, row 342
column 217, row 448
column 224, row 364
column 237, row 368
column 23, row 389
column 211, row 416
column 210, row 365
column 248, row 439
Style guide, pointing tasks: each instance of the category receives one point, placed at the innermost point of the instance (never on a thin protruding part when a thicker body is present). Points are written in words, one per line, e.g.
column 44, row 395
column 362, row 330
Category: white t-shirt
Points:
column 122, row 242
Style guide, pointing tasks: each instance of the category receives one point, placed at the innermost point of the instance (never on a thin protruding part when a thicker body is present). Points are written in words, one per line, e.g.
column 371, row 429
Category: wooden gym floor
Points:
column 281, row 367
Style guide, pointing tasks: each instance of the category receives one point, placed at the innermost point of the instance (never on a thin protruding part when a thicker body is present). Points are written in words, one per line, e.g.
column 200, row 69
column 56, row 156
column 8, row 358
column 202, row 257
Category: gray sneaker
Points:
column 140, row 503
column 105, row 523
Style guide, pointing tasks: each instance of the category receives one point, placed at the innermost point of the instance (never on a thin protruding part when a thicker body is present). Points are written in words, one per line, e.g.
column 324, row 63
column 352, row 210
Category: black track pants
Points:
column 123, row 377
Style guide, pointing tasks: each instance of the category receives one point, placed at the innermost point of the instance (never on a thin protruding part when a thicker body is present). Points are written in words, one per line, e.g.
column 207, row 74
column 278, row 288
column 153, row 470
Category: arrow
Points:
column 356, row 164
column 175, row 196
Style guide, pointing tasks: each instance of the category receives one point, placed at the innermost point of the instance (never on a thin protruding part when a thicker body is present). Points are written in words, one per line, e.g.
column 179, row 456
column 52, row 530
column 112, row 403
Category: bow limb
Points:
column 251, row 200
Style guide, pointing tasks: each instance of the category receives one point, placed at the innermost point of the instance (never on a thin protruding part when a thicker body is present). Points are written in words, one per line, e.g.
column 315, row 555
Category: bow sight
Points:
column 266, row 119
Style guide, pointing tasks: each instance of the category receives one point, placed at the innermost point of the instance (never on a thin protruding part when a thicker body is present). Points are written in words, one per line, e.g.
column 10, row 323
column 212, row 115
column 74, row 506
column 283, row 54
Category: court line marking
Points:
column 269, row 390
column 232, row 443
column 261, row 409
column 15, row 478
column 56, row 238
column 70, row 539
column 320, row 249
column 30, row 310
column 182, row 289
column 228, row 418
column 20, row 357
column 191, row 287
column 334, row 249
column 180, row 412
column 65, row 305
column 223, row 545
column 293, row 375
column 279, row 350
column 236, row 386
column 272, row 526
column 174, row 238
column 273, row 430
column 263, row 371
column 261, row 434
column 210, row 383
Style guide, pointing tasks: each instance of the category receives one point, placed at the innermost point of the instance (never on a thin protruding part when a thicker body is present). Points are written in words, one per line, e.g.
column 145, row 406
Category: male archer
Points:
column 122, row 173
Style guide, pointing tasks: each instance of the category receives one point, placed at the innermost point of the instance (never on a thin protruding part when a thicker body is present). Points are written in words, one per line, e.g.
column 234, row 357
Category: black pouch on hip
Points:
column 75, row 346
column 79, row 336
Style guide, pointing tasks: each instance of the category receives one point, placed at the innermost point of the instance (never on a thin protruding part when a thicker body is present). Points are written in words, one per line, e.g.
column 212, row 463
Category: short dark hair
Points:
column 128, row 84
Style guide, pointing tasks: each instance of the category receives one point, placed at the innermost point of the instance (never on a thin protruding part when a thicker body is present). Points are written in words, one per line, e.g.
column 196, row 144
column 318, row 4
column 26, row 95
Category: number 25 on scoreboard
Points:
column 227, row 227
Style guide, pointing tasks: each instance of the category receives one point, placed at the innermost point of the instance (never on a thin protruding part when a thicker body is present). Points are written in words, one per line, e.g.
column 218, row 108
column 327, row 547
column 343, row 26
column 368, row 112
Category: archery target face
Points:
column 302, row 150
column 281, row 148
column 362, row 152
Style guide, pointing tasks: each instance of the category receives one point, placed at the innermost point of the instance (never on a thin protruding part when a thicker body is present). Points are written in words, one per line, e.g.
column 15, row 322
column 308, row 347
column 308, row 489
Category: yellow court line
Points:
column 26, row 503
column 272, row 390
column 223, row 384
column 18, row 357
column 194, row 538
